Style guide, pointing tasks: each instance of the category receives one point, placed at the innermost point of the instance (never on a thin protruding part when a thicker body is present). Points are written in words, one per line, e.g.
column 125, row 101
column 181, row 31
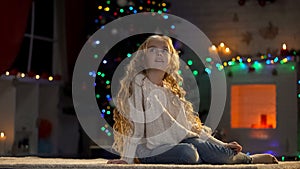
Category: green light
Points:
column 102, row 128
column 152, row 10
column 299, row 95
column 179, row 72
column 257, row 65
column 159, row 12
column 107, row 2
column 195, row 72
column 97, row 96
column 102, row 75
column 96, row 56
column 108, row 112
column 282, row 158
column 129, row 55
column 109, row 134
column 293, row 67
column 294, row 53
column 208, row 59
column 98, row 73
column 107, row 82
column 230, row 63
column 165, row 9
column 190, row 62
column 121, row 10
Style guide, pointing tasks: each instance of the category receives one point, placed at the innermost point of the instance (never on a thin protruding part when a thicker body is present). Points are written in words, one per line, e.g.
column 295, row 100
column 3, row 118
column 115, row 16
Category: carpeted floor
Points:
column 59, row 163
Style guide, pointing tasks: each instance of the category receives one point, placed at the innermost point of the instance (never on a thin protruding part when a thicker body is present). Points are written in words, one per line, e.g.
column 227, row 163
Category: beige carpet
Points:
column 59, row 163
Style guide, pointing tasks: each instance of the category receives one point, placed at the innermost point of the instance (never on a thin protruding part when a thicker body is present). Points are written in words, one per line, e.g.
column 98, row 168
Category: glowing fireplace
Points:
column 253, row 106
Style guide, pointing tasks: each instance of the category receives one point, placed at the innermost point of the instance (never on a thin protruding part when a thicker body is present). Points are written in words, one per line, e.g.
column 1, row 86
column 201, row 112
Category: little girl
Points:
column 154, row 123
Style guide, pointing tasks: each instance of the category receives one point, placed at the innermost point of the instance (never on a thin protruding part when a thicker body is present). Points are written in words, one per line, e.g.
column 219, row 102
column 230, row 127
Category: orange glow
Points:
column 222, row 44
column 213, row 47
column 253, row 106
column 284, row 46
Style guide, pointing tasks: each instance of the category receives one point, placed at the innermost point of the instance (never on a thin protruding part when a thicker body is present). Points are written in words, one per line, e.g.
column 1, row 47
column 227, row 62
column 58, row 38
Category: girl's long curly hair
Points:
column 123, row 127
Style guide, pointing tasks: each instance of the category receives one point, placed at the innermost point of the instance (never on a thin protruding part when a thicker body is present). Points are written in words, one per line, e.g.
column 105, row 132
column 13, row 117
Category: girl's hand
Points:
column 116, row 161
column 234, row 146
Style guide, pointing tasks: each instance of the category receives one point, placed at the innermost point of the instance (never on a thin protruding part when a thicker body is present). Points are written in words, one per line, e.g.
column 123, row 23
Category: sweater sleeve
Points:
column 137, row 118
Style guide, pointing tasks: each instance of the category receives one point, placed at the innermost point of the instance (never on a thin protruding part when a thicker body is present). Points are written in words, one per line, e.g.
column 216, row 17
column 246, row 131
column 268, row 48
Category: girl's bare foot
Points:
column 263, row 159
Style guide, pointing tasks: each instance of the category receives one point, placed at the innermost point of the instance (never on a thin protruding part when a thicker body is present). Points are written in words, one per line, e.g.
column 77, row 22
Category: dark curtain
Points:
column 75, row 31
column 13, row 19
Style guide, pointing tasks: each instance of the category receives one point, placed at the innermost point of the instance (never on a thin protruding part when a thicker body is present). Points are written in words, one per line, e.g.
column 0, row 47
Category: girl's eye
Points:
column 151, row 50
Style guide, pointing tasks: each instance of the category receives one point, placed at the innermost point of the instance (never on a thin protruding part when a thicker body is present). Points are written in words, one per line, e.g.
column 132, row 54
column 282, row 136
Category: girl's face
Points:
column 157, row 55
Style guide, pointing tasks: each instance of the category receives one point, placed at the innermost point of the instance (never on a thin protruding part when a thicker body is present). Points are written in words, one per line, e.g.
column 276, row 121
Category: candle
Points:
column 2, row 143
column 2, row 136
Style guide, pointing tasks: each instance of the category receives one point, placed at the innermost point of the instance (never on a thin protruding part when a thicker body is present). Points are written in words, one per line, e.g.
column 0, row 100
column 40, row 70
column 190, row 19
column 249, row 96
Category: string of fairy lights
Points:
column 254, row 62
column 109, row 10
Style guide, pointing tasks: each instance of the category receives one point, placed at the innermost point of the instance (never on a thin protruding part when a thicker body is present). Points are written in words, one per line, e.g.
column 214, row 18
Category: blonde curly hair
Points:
column 172, row 80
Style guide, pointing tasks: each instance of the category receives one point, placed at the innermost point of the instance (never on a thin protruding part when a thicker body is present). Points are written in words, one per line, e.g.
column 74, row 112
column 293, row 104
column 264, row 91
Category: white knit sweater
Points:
column 158, row 117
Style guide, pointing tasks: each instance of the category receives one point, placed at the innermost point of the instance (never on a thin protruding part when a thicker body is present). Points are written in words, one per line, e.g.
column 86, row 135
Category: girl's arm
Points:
column 206, row 135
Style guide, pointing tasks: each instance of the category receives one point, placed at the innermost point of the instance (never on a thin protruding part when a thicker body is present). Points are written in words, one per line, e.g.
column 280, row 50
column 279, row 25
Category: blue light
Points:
column 166, row 16
column 135, row 11
column 96, row 20
column 103, row 110
column 108, row 96
column 97, row 42
column 208, row 59
column 131, row 8
column 299, row 82
column 268, row 62
column 95, row 84
column 270, row 152
column 208, row 71
column 241, row 60
column 243, row 65
column 276, row 59
column 104, row 61
column 172, row 26
column 91, row 73
column 102, row 27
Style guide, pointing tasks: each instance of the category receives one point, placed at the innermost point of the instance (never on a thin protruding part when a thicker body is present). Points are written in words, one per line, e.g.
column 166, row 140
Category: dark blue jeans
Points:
column 192, row 151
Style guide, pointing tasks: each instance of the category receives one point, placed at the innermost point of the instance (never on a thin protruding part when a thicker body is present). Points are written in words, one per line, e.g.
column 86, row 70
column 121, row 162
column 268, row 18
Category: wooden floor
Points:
column 60, row 163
